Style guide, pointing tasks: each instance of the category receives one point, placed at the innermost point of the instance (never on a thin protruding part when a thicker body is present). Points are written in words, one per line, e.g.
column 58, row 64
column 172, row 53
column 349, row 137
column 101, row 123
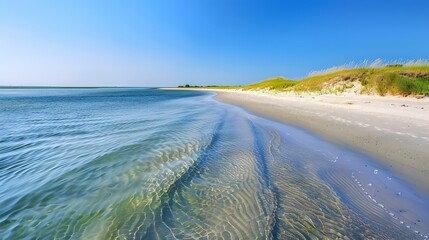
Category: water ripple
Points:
column 152, row 164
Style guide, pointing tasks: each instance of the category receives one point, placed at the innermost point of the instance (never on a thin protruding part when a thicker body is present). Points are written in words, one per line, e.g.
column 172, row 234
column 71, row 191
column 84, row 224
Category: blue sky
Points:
column 201, row 42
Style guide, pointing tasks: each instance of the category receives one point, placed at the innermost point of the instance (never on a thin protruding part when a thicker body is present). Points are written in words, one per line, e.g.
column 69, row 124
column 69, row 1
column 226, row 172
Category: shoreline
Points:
column 392, row 130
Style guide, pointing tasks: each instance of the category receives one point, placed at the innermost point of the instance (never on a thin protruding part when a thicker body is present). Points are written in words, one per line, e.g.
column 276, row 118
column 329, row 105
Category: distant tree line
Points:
column 196, row 86
column 394, row 65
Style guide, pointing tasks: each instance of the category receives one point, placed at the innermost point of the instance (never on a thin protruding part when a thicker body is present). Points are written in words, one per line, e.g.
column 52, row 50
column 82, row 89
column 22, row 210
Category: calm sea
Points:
column 136, row 163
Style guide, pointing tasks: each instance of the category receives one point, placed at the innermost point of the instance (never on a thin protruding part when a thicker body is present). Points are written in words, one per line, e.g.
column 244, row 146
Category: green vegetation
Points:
column 391, row 79
column 277, row 83
column 212, row 87
column 394, row 80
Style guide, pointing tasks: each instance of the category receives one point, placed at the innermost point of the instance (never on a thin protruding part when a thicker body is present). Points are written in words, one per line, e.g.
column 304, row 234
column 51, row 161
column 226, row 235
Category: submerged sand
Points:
column 393, row 130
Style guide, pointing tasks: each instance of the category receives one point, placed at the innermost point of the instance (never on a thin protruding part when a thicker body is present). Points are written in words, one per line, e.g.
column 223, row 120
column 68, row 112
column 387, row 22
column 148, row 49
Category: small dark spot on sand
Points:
column 403, row 105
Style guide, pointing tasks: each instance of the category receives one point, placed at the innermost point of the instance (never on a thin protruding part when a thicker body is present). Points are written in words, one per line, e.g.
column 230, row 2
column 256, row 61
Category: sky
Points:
column 200, row 42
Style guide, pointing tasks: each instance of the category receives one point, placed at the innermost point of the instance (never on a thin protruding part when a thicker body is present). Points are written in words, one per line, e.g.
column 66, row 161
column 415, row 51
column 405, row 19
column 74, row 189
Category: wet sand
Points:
column 393, row 130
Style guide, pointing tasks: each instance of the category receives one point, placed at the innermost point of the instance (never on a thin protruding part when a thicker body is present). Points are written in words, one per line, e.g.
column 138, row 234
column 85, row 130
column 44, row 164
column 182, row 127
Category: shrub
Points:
column 394, row 65
column 422, row 85
column 380, row 88
column 405, row 86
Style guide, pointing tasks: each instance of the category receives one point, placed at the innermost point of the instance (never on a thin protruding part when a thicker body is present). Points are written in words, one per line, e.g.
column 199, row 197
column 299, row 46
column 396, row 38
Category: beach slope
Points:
column 394, row 130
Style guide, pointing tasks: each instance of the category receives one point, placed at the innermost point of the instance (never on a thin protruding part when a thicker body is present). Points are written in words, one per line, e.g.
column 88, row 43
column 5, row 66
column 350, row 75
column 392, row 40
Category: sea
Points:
column 146, row 163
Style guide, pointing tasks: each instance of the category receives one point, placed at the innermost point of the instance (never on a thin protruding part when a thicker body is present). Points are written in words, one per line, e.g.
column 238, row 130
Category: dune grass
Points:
column 385, row 80
column 276, row 83
column 391, row 79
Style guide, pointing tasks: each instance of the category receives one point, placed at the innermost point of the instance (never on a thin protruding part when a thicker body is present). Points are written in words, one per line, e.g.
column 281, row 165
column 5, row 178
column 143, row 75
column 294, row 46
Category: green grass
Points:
column 408, row 86
column 393, row 80
column 277, row 83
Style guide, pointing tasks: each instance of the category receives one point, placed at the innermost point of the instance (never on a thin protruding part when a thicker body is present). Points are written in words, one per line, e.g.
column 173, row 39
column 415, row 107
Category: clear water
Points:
column 154, row 164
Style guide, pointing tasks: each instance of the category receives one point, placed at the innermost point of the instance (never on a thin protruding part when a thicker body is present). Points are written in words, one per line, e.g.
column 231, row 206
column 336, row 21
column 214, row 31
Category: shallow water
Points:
column 153, row 164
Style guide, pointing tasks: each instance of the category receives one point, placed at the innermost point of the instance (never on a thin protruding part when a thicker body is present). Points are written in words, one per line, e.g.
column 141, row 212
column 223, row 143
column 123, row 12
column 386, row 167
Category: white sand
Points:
column 394, row 130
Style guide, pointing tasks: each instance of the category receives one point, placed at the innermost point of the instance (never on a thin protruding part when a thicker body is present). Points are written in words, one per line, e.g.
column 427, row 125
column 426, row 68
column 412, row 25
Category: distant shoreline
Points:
column 388, row 80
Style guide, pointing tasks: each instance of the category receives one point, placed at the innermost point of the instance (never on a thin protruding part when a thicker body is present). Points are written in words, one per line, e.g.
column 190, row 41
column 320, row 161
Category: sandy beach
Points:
column 393, row 130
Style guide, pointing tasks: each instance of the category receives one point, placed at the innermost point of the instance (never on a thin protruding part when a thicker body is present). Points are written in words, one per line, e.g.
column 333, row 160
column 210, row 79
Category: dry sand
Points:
column 393, row 130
